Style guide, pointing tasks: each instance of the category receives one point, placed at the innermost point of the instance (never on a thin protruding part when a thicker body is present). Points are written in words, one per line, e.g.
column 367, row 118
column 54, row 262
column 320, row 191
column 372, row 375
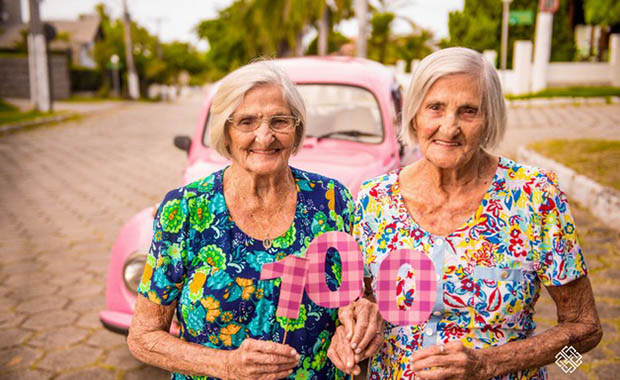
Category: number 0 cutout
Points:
column 425, row 287
column 352, row 270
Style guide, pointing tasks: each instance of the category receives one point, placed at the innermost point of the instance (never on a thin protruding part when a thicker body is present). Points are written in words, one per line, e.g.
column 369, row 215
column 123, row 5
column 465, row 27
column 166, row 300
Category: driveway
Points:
column 66, row 189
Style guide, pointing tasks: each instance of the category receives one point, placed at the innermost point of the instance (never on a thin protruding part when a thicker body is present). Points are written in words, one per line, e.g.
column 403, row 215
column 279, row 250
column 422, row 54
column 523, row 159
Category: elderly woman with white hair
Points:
column 212, row 236
column 495, row 230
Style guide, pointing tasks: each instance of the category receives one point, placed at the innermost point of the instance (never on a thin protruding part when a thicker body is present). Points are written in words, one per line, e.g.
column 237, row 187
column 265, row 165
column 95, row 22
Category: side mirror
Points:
column 183, row 142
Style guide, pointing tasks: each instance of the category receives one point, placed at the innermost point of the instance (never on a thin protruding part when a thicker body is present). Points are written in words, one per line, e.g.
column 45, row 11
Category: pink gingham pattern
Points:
column 425, row 287
column 293, row 271
column 352, row 270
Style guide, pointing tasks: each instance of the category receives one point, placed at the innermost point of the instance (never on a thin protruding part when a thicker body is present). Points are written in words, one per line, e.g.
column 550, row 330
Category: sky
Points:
column 176, row 19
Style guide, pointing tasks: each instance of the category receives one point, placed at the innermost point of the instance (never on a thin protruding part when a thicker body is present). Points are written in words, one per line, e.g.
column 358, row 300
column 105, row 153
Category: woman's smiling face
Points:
column 261, row 151
column 449, row 124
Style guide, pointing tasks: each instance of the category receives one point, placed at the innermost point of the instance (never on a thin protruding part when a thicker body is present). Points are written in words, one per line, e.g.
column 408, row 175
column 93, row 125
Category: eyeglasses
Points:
column 277, row 123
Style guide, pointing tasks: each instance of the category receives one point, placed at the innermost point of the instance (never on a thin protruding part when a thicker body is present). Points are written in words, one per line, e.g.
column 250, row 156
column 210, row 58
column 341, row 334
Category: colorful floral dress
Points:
column 489, row 270
column 203, row 261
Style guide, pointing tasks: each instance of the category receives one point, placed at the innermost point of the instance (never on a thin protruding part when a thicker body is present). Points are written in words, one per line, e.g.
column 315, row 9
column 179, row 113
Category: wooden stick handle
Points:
column 285, row 331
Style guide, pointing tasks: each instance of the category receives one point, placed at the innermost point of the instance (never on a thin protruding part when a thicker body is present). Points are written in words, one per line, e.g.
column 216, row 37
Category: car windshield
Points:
column 341, row 112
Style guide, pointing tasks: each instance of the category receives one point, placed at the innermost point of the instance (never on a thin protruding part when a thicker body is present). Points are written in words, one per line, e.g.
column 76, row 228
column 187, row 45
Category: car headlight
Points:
column 132, row 271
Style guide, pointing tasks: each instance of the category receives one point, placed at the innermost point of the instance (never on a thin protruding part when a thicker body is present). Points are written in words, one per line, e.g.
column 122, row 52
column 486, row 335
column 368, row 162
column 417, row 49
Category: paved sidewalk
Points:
column 66, row 190
column 526, row 125
column 79, row 106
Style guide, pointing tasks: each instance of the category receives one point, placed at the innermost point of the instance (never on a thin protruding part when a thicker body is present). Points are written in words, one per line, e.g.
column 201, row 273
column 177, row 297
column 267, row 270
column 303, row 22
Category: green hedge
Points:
column 85, row 79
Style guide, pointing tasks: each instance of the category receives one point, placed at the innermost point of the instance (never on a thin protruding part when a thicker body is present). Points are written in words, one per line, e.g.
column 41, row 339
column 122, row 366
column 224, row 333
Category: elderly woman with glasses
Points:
column 495, row 230
column 212, row 237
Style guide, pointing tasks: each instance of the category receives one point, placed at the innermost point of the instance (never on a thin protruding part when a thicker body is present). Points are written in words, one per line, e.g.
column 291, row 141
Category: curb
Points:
column 37, row 121
column 602, row 201
column 562, row 101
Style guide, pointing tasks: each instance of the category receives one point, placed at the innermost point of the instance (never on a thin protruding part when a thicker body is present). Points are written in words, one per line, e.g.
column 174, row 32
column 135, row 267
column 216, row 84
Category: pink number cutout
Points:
column 352, row 270
column 293, row 270
column 425, row 287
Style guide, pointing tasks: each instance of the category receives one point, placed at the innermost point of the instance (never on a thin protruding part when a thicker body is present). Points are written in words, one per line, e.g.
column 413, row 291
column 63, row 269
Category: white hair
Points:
column 456, row 60
column 230, row 94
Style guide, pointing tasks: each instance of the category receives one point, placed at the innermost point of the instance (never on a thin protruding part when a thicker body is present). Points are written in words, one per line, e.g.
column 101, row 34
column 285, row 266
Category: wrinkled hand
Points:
column 449, row 361
column 341, row 353
column 363, row 327
column 257, row 359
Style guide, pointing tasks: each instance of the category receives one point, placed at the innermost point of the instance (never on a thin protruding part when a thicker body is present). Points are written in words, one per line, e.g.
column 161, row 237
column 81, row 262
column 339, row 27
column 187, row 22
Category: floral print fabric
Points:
column 489, row 270
column 203, row 261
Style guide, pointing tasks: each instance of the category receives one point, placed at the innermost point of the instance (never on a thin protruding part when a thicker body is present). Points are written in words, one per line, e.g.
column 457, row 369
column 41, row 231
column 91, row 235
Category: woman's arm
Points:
column 361, row 333
column 150, row 342
column 578, row 326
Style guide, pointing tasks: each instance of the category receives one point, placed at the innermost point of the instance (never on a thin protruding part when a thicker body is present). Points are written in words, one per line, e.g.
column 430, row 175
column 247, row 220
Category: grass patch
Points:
column 90, row 99
column 571, row 92
column 7, row 107
column 11, row 117
column 9, row 114
column 596, row 159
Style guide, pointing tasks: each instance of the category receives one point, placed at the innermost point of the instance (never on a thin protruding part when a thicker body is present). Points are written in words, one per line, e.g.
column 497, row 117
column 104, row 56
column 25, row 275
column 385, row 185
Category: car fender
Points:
column 134, row 236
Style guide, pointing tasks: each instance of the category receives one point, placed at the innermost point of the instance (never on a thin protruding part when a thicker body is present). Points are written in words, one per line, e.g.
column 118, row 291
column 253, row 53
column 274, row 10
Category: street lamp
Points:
column 504, row 46
column 114, row 60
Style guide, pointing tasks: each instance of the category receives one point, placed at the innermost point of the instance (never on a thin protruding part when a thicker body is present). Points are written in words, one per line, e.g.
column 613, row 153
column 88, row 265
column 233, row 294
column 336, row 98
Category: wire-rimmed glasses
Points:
column 277, row 123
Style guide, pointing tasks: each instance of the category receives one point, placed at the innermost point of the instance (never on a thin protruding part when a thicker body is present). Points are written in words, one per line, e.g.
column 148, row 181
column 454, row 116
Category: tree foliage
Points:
column 478, row 26
column 334, row 41
column 252, row 28
column 176, row 57
column 385, row 47
column 247, row 29
column 602, row 12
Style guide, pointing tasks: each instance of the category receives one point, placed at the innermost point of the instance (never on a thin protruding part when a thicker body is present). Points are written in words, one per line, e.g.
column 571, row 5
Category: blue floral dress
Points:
column 201, row 260
column 489, row 271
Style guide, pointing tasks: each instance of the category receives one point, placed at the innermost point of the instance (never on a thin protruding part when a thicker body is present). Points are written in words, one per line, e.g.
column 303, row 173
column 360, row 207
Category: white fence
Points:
column 558, row 74
column 579, row 74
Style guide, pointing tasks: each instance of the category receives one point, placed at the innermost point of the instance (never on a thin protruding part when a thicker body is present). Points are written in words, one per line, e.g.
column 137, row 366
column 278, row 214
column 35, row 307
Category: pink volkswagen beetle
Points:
column 353, row 107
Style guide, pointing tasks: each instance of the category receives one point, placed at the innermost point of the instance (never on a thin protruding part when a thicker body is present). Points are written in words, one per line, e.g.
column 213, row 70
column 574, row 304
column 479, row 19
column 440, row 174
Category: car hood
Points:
column 350, row 167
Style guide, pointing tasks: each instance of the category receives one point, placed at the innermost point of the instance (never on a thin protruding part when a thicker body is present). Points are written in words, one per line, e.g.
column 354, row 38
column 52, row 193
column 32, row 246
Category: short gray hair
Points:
column 456, row 60
column 233, row 87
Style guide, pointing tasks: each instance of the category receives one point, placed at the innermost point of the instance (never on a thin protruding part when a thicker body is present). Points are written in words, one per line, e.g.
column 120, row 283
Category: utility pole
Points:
column 323, row 31
column 132, row 76
column 37, row 62
column 158, row 21
column 361, row 10
column 504, row 43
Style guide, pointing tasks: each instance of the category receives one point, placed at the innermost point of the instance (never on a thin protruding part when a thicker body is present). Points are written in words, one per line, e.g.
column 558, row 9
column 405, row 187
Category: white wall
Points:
column 558, row 74
column 578, row 74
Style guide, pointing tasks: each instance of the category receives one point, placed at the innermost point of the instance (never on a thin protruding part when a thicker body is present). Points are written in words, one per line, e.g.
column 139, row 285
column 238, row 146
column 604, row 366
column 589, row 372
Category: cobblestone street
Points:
column 66, row 189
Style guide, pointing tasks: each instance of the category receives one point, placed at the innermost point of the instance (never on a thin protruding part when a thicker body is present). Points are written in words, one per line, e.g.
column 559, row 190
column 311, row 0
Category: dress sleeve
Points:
column 164, row 271
column 561, row 260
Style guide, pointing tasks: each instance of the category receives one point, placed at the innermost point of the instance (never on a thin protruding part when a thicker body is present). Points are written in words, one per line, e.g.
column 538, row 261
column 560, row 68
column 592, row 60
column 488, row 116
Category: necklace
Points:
column 267, row 241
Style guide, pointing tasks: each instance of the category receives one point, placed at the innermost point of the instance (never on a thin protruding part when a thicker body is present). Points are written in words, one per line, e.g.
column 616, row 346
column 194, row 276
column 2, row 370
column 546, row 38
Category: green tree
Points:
column 602, row 12
column 385, row 47
column 380, row 34
column 250, row 28
column 176, row 56
column 605, row 13
column 478, row 26
column 334, row 41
